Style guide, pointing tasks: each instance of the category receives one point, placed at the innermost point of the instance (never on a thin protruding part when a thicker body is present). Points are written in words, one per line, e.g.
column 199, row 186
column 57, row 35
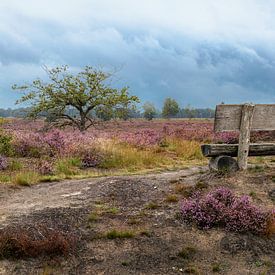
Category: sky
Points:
column 200, row 52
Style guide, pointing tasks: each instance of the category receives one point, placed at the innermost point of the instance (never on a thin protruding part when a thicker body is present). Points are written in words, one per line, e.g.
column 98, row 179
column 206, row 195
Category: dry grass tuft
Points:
column 17, row 242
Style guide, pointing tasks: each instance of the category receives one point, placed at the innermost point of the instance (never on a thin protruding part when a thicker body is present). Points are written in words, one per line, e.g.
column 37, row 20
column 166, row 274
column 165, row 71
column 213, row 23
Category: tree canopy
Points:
column 170, row 108
column 75, row 99
column 149, row 110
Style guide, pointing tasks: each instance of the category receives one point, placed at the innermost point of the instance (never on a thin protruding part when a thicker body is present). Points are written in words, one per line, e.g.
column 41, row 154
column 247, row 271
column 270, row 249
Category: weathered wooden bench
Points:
column 242, row 118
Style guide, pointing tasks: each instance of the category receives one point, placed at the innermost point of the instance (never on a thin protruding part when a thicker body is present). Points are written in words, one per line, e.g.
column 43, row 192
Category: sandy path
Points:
column 72, row 193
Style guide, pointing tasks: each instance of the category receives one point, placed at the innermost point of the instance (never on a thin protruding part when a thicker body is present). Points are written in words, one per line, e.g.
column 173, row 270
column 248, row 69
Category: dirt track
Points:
column 72, row 193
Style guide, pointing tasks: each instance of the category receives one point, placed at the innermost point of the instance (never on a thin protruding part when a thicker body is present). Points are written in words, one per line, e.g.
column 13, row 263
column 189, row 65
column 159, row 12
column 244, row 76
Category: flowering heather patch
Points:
column 52, row 143
column 143, row 138
column 91, row 158
column 201, row 132
column 226, row 137
column 3, row 163
column 222, row 208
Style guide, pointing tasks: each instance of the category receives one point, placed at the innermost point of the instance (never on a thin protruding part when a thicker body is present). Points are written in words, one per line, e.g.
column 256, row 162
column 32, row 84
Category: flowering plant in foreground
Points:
column 222, row 208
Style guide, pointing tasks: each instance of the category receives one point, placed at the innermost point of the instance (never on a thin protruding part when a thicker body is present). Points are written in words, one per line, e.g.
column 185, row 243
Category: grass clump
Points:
column 26, row 178
column 187, row 252
column 93, row 217
column 5, row 178
column 152, row 206
column 216, row 267
column 172, row 198
column 15, row 165
column 256, row 169
column 112, row 210
column 115, row 234
column 123, row 156
column 191, row 270
column 68, row 167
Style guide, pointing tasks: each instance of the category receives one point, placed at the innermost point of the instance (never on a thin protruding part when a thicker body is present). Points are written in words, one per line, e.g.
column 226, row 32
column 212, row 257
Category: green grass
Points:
column 15, row 165
column 114, row 234
column 93, row 217
column 172, row 198
column 68, row 167
column 152, row 206
column 5, row 178
column 119, row 159
column 26, row 178
column 187, row 252
column 216, row 267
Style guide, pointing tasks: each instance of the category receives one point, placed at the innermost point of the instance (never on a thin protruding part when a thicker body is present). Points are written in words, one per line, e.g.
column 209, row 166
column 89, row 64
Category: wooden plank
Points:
column 255, row 149
column 228, row 117
column 244, row 139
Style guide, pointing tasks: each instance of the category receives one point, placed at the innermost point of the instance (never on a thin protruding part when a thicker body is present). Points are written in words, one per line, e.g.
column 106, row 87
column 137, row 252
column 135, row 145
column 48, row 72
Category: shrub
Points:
column 6, row 147
column 221, row 207
column 91, row 158
column 17, row 242
column 3, row 163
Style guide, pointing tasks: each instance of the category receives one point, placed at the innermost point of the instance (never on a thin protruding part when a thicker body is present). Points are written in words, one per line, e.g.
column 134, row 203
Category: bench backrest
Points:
column 228, row 117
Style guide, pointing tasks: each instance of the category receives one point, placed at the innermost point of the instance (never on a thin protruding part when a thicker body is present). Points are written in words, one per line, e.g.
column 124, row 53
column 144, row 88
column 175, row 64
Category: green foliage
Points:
column 26, row 178
column 216, row 267
column 187, row 252
column 114, row 234
column 74, row 99
column 152, row 206
column 149, row 111
column 6, row 147
column 68, row 167
column 15, row 165
column 170, row 108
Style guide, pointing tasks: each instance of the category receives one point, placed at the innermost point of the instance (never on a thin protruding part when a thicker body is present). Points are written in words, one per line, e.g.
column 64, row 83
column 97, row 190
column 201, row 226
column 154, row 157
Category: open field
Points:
column 172, row 217
column 29, row 154
column 115, row 148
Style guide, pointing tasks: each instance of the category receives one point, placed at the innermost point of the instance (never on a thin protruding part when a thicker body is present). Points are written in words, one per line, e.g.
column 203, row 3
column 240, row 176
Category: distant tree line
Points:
column 171, row 109
column 149, row 111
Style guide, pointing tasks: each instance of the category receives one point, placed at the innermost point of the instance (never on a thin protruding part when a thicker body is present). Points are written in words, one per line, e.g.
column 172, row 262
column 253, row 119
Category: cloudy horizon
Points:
column 199, row 53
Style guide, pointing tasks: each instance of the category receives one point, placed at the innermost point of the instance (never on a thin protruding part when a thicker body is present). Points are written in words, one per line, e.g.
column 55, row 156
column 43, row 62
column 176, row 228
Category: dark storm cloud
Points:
column 185, row 54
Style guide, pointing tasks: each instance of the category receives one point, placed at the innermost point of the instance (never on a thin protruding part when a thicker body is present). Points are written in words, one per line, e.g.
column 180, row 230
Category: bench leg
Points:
column 223, row 164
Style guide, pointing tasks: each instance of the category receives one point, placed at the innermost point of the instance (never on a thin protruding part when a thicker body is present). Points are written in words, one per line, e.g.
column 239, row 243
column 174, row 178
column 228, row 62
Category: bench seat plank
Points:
column 255, row 149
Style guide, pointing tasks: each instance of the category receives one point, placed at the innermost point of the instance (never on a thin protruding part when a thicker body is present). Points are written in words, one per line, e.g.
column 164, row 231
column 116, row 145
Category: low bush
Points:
column 6, row 147
column 222, row 208
column 91, row 158
column 17, row 242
